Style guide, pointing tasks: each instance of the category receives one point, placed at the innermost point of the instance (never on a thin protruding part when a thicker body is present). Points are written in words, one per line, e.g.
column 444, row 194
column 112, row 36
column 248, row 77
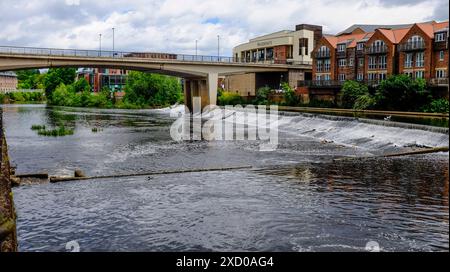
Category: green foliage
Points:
column 82, row 85
column 401, row 92
column 143, row 89
column 290, row 97
column 66, row 96
column 364, row 102
column 37, row 127
column 61, row 131
column 262, row 96
column 229, row 98
column 321, row 103
column 438, row 105
column 29, row 79
column 57, row 76
column 351, row 90
column 22, row 97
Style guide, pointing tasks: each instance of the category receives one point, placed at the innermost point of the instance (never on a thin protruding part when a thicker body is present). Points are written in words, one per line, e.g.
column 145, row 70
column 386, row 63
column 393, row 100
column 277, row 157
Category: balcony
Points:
column 411, row 46
column 377, row 49
column 322, row 54
column 440, row 46
column 320, row 83
column 439, row 82
column 341, row 54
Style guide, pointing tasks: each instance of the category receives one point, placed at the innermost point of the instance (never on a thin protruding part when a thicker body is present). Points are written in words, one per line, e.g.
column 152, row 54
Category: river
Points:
column 295, row 198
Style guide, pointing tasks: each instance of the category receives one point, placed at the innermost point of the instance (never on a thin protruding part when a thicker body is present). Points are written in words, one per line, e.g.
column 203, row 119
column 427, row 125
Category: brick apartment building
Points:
column 98, row 78
column 8, row 81
column 371, row 53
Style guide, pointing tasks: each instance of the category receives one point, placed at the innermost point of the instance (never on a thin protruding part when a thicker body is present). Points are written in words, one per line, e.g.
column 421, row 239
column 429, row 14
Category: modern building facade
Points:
column 98, row 78
column 371, row 53
column 292, row 47
column 8, row 81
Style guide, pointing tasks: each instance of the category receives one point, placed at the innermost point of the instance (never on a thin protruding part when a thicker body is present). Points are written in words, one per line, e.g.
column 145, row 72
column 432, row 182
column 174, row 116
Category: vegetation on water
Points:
column 38, row 127
column 60, row 131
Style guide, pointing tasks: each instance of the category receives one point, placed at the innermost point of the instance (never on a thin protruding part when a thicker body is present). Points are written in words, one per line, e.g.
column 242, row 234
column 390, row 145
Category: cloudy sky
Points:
column 174, row 25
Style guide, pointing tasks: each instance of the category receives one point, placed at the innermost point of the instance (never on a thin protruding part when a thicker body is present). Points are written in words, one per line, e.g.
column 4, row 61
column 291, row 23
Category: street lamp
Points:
column 218, row 48
column 113, row 41
column 196, row 47
column 100, row 47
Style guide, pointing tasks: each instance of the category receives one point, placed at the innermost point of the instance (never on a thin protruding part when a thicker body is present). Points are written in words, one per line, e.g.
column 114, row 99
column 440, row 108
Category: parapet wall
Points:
column 8, row 236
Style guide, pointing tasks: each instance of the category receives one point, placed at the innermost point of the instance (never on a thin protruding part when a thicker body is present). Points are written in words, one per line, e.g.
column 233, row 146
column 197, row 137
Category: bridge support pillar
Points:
column 205, row 89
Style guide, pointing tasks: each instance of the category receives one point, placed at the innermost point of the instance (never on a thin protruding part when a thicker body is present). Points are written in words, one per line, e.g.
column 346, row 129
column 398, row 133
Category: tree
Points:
column 152, row 89
column 29, row 79
column 262, row 96
column 82, row 85
column 351, row 91
column 401, row 92
column 56, row 76
column 290, row 97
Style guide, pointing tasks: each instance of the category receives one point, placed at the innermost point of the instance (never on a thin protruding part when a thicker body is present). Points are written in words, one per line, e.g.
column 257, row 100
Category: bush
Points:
column 321, row 103
column 438, row 106
column 262, row 96
column 290, row 97
column 229, row 98
column 351, row 91
column 364, row 102
column 401, row 92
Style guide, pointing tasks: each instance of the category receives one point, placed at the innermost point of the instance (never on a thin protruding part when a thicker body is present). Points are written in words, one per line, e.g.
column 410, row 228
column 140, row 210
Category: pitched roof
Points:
column 351, row 40
column 372, row 28
column 394, row 36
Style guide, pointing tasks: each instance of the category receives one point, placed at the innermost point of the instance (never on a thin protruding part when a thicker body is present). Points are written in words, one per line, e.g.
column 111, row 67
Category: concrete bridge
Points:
column 200, row 73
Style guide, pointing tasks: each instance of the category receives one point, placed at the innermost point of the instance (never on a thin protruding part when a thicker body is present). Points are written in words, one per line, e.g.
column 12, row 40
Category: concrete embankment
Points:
column 8, row 235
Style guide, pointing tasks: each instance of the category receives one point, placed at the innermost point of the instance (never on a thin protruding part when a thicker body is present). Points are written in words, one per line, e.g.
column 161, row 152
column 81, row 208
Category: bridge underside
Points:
column 200, row 78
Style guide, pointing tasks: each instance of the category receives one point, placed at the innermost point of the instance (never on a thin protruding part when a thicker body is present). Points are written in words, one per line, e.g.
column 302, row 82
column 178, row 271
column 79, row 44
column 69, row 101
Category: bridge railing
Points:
column 14, row 50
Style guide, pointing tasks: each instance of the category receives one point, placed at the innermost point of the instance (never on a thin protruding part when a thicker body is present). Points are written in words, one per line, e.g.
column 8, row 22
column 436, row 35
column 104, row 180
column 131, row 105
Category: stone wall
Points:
column 8, row 236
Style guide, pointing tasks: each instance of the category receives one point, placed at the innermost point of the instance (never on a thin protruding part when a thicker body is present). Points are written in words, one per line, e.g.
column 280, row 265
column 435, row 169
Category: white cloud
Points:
column 174, row 25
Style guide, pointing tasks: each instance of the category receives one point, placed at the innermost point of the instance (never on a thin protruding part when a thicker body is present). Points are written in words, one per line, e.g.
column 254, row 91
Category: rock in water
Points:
column 79, row 174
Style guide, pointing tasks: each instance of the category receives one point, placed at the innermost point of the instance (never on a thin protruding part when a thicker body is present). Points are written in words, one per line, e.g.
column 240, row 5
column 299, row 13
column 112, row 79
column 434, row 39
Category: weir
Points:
column 8, row 236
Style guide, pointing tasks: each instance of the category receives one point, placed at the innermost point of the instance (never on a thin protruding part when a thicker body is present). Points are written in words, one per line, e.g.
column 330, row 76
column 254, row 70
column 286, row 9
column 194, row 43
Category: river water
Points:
column 295, row 198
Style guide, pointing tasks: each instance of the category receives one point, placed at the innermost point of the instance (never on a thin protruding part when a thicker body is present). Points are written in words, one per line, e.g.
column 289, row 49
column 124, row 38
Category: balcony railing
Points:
column 377, row 49
column 320, row 83
column 411, row 46
column 341, row 54
column 322, row 54
column 439, row 81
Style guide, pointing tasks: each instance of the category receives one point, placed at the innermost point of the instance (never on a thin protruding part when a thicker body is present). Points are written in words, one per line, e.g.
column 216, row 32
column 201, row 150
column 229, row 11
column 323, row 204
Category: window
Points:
column 350, row 62
column 410, row 74
column 419, row 74
column 440, row 74
column 382, row 76
column 341, row 47
column 361, row 62
column 416, row 41
column 382, row 64
column 342, row 62
column 327, row 77
column 420, row 59
column 327, row 65
column 303, row 43
column 408, row 60
column 372, row 62
column 440, row 37
column 341, row 77
column 441, row 55
column 371, row 76
column 360, row 46
column 319, row 66
column 318, row 77
column 360, row 77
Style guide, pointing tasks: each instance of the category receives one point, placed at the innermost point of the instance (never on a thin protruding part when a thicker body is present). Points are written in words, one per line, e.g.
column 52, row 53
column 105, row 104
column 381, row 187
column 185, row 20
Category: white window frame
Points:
column 360, row 46
column 420, row 59
column 361, row 62
column 341, row 47
column 342, row 62
column 382, row 62
column 439, row 37
column 372, row 62
column 326, row 65
column 441, row 74
column 408, row 60
column 441, row 55
column 341, row 77
column 419, row 74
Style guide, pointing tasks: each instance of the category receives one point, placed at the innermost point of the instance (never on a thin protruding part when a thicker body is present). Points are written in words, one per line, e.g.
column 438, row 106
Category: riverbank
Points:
column 8, row 237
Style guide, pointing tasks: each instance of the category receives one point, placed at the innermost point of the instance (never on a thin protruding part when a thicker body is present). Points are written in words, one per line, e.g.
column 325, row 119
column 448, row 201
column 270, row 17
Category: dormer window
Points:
column 341, row 47
column 439, row 37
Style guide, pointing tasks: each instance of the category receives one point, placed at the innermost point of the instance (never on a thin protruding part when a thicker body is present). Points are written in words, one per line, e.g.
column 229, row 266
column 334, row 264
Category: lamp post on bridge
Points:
column 114, row 54
column 218, row 48
column 100, row 46
column 196, row 49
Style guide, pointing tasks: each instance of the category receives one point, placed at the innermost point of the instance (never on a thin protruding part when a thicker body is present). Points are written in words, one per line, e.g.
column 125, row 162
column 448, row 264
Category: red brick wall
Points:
column 333, row 64
column 391, row 54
